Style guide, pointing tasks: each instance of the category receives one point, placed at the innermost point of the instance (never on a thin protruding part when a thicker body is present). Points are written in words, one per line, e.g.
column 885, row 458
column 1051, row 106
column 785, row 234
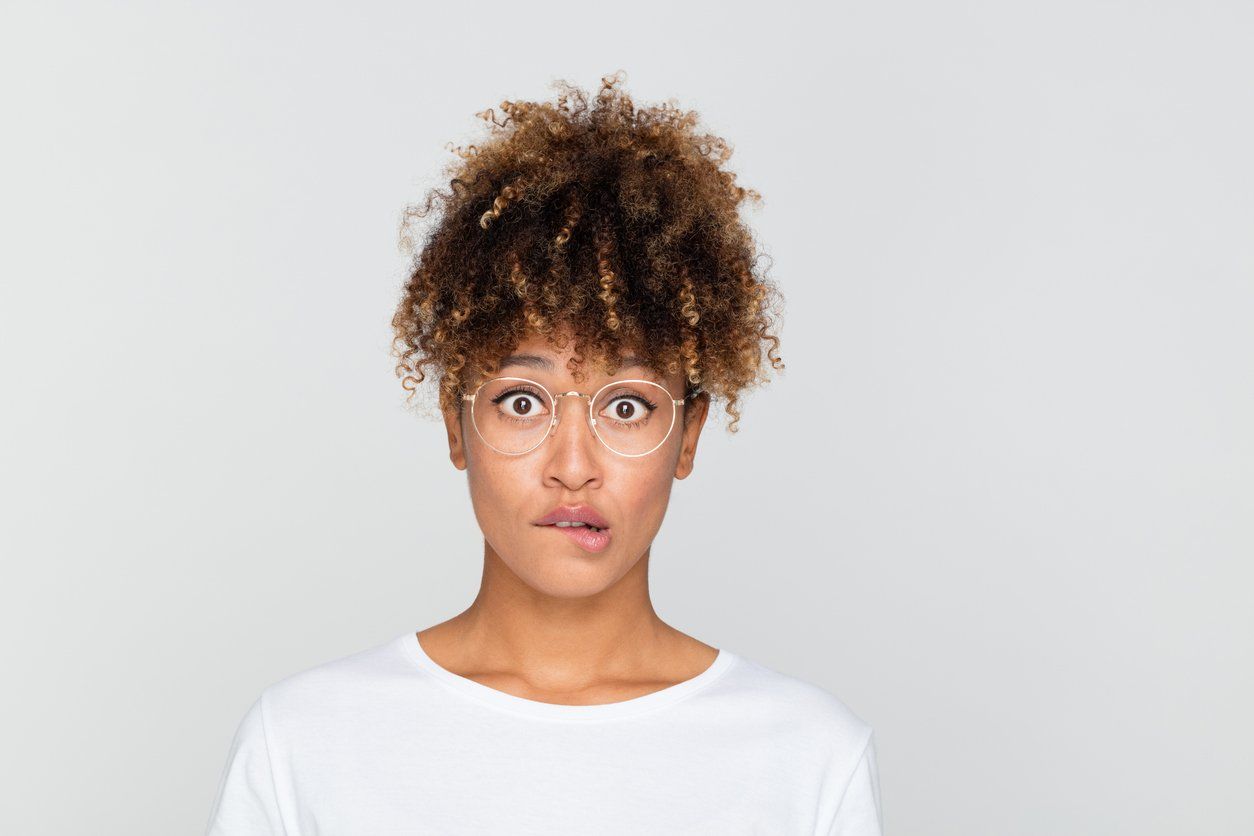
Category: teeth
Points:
column 571, row 524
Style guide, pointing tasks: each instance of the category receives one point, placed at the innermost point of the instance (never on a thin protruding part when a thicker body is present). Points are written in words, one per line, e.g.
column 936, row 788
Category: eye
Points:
column 520, row 402
column 630, row 409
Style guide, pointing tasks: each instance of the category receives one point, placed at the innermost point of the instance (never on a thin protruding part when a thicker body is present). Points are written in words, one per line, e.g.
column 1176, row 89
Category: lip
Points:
column 574, row 513
column 586, row 538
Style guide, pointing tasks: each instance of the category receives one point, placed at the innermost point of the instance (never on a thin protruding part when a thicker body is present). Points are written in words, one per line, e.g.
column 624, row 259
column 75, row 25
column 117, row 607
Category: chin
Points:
column 568, row 589
column 572, row 575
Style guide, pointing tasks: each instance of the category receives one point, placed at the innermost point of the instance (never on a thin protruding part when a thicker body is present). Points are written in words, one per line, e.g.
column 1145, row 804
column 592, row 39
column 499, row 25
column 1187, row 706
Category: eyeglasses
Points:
column 514, row 415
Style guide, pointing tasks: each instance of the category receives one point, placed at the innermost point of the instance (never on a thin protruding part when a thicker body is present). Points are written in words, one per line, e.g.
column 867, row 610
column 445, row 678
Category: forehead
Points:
column 549, row 362
column 536, row 356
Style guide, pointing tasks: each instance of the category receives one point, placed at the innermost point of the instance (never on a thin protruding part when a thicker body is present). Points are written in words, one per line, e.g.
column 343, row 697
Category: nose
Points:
column 576, row 418
column 570, row 450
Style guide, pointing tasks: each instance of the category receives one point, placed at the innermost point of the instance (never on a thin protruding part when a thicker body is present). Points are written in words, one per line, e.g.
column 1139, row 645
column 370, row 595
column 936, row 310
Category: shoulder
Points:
column 801, row 707
column 341, row 684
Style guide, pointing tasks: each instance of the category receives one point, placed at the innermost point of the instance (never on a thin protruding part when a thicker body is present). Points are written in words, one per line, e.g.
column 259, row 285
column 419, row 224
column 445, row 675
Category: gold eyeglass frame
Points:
column 553, row 399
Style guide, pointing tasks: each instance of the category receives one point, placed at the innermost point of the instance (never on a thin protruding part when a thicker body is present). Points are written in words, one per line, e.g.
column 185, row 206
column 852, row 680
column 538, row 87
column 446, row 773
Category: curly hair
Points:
column 612, row 224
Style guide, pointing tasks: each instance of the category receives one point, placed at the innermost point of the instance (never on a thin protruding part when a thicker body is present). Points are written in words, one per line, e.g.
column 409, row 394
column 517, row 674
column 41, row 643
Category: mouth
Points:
column 576, row 524
column 582, row 524
column 588, row 537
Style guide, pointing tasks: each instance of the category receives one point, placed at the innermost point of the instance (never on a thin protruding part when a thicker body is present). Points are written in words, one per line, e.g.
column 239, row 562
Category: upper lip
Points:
column 574, row 513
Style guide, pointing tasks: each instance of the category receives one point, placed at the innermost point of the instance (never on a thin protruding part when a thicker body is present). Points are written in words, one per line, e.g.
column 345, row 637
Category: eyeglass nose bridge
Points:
column 557, row 417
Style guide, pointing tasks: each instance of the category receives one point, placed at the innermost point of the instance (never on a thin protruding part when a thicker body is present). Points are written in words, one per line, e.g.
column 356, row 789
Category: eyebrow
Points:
column 535, row 361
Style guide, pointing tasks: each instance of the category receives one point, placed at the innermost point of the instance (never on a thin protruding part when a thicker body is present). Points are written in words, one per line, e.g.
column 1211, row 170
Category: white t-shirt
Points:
column 386, row 742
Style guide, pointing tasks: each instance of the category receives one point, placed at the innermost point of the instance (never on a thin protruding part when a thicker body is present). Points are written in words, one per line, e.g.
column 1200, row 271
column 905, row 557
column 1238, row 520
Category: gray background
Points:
column 999, row 502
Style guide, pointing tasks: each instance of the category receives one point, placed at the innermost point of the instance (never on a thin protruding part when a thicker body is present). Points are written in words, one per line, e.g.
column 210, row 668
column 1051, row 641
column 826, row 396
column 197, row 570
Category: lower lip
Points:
column 588, row 540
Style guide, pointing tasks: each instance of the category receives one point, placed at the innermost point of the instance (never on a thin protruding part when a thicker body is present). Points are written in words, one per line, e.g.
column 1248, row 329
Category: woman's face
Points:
column 572, row 468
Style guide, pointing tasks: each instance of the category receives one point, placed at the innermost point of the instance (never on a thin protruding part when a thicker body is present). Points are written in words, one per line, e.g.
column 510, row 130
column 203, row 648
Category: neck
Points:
column 559, row 643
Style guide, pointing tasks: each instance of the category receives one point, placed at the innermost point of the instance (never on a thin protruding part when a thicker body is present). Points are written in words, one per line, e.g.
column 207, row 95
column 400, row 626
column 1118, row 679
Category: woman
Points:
column 587, row 290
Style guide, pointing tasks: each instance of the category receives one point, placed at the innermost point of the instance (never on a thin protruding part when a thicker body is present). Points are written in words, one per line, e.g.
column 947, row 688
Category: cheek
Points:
column 640, row 494
column 498, row 488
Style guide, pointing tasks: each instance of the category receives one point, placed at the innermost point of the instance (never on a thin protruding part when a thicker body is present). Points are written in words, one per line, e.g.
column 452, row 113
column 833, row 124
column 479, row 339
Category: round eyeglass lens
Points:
column 512, row 415
column 632, row 417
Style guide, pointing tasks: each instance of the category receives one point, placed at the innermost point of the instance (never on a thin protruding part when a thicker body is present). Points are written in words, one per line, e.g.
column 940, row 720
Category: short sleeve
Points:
column 859, row 811
column 246, row 803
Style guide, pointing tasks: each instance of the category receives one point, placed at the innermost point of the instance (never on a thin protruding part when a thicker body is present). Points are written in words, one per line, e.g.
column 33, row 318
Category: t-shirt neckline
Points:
column 412, row 649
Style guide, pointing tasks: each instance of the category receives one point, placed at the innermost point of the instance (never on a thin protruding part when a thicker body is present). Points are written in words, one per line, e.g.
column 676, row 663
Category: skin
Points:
column 552, row 622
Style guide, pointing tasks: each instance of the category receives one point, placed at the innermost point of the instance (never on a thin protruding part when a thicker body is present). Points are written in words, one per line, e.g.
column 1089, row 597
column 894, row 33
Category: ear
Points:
column 695, row 412
column 456, row 439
